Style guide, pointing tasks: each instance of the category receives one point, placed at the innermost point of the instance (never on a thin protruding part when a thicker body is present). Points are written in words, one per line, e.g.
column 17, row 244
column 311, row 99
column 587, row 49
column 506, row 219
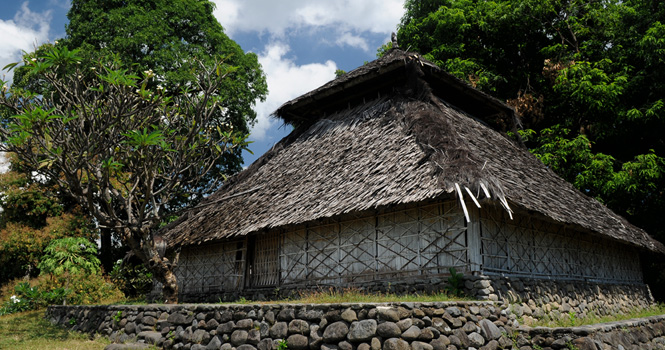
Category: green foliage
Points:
column 455, row 285
column 587, row 77
column 33, row 214
column 383, row 49
column 134, row 153
column 134, row 280
column 70, row 255
column 282, row 345
column 82, row 289
column 30, row 298
column 164, row 36
column 27, row 202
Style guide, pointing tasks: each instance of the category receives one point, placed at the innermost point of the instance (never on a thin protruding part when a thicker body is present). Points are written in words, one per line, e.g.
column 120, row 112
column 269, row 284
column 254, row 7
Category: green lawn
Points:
column 29, row 330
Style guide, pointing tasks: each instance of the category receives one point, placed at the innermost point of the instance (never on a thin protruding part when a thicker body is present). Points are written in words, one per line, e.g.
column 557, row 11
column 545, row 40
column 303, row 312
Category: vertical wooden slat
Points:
column 473, row 241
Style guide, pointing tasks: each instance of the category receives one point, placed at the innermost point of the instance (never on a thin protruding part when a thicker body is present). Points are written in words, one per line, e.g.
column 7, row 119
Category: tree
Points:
column 120, row 145
column 587, row 77
column 164, row 36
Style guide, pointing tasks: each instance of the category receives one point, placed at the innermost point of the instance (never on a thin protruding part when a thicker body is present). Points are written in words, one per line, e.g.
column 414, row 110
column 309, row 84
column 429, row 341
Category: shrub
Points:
column 28, row 297
column 82, row 288
column 131, row 278
column 70, row 255
column 46, row 290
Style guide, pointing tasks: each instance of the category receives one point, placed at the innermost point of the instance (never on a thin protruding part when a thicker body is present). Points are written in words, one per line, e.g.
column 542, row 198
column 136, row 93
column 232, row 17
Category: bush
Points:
column 45, row 290
column 15, row 304
column 27, row 297
column 83, row 289
column 133, row 279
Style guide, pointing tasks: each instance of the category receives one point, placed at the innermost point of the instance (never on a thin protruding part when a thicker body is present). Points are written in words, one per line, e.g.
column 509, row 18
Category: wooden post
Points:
column 474, row 242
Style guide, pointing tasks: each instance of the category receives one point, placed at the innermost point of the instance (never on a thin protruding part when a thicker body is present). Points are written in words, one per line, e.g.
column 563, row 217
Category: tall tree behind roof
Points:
column 163, row 35
column 588, row 78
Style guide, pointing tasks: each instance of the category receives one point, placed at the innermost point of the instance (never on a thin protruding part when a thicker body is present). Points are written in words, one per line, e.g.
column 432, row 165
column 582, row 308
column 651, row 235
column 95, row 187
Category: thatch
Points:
column 396, row 131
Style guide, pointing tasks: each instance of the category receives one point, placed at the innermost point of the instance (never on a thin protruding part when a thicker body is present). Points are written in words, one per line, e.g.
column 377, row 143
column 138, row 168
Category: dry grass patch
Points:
column 352, row 295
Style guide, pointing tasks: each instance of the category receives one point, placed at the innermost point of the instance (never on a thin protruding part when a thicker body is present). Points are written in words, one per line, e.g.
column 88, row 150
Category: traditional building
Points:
column 395, row 172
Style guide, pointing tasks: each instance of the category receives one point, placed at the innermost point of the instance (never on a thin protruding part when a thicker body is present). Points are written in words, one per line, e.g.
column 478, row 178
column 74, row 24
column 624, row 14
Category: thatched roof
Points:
column 395, row 131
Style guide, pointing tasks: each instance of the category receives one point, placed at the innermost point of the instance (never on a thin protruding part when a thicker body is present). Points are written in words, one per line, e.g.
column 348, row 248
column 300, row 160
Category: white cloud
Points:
column 352, row 40
column 22, row 33
column 286, row 80
column 341, row 16
column 4, row 163
column 335, row 22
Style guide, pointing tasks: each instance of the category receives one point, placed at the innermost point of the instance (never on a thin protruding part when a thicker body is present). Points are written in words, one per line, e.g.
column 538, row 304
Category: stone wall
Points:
column 386, row 326
column 532, row 299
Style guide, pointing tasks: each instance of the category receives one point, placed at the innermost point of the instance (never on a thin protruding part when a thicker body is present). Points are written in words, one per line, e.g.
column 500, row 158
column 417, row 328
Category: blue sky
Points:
column 300, row 43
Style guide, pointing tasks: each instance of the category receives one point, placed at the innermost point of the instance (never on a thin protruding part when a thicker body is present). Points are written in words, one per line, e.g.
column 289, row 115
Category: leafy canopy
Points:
column 114, row 140
column 587, row 78
column 119, row 144
column 167, row 37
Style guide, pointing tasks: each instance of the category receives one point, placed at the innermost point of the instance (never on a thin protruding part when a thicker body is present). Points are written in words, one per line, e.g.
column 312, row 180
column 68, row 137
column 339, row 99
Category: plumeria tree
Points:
column 119, row 144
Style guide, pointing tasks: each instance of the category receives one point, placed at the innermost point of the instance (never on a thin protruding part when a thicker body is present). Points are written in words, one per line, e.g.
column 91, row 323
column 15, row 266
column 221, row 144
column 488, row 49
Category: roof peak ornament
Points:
column 393, row 39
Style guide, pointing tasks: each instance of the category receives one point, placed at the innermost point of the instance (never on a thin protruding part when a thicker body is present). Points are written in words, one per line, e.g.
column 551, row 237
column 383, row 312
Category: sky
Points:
column 300, row 43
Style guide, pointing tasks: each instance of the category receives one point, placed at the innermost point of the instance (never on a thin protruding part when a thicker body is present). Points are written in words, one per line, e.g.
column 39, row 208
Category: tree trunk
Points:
column 170, row 287
column 106, row 249
column 158, row 264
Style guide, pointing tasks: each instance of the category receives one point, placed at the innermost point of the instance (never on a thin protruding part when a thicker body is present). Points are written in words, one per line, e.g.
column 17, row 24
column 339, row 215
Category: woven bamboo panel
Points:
column 418, row 241
column 443, row 241
column 323, row 254
column 357, row 250
column 293, row 256
column 214, row 267
column 526, row 246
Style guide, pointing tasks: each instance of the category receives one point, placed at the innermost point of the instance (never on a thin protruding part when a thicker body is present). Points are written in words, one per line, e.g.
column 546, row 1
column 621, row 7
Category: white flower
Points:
column 159, row 87
column 15, row 299
column 34, row 59
column 92, row 68
column 56, row 42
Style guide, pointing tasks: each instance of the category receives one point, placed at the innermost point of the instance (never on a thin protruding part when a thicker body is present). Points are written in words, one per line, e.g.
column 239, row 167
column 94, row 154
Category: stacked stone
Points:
column 533, row 299
column 405, row 326
column 641, row 334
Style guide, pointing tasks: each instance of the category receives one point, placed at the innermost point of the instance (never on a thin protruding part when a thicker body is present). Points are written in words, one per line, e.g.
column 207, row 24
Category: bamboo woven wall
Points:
column 406, row 244
column 530, row 247
column 411, row 243
column 416, row 242
column 211, row 268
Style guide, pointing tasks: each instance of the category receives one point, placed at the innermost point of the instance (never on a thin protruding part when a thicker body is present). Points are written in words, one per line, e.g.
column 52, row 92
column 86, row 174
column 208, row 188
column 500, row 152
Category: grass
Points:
column 29, row 330
column 351, row 295
column 570, row 320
